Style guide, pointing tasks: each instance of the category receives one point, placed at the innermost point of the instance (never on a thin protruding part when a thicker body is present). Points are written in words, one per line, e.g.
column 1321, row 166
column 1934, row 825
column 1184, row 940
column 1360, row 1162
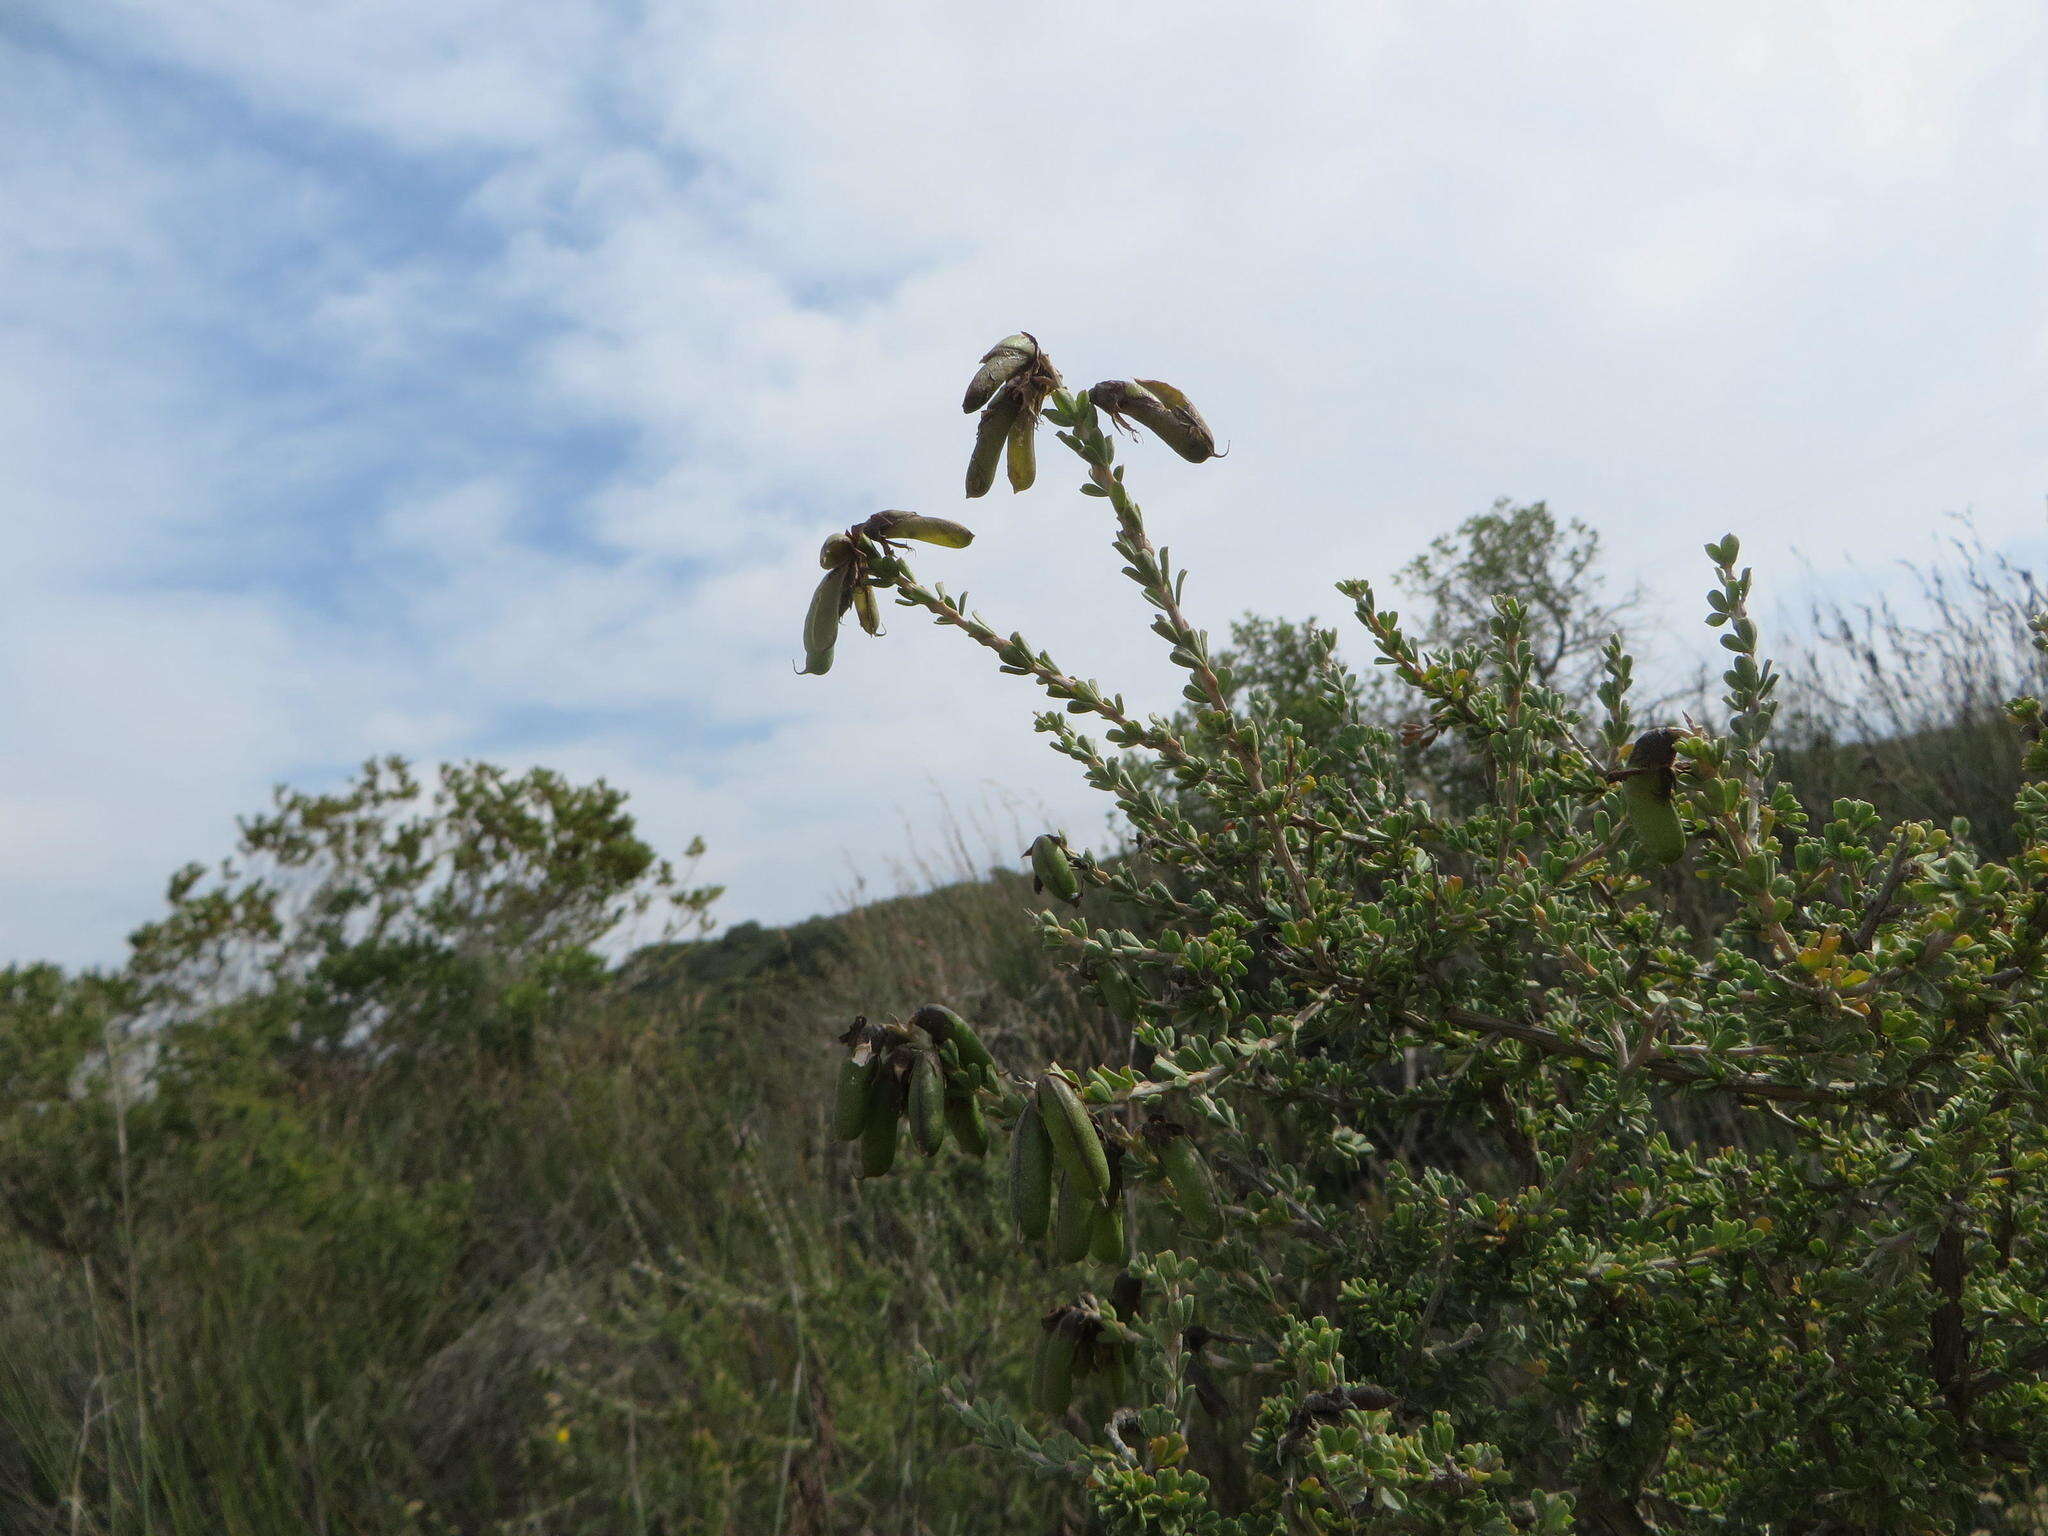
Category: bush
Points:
column 425, row 1220
column 1461, row 1176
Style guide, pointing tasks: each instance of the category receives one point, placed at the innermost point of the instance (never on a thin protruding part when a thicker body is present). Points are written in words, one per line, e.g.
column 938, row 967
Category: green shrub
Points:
column 427, row 1221
column 1552, row 1196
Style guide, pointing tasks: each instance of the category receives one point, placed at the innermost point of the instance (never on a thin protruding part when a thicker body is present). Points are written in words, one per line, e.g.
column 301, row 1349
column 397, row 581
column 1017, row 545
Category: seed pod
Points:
column 837, row 550
column 990, row 434
column 1158, row 406
column 947, row 1028
column 1030, row 1173
column 878, row 1136
column 1188, row 1177
column 1655, row 821
column 1183, row 430
column 1024, row 447
column 1000, row 364
column 864, row 608
column 1052, row 1371
column 821, row 623
column 850, row 1104
column 1647, row 786
column 927, row 1104
column 1111, row 1377
column 1106, row 1234
column 1103, row 1359
column 913, row 525
column 1052, row 870
column 1119, row 995
column 964, row 1120
column 1073, row 1224
column 1073, row 1137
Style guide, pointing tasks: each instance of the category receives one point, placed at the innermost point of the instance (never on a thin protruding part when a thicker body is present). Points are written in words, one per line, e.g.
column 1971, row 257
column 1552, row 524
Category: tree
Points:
column 379, row 925
column 1552, row 570
column 1457, row 1178
column 335, row 898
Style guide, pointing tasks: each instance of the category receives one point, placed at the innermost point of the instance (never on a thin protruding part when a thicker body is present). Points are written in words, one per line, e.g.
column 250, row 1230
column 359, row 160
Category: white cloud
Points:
column 307, row 309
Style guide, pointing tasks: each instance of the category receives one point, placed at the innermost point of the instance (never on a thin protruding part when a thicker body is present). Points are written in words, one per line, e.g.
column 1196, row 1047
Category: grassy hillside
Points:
column 621, row 1281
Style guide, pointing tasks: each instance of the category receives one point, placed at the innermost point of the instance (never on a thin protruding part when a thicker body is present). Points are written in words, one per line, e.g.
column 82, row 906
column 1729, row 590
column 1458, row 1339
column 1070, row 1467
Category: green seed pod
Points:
column 1052, row 870
column 1106, row 1234
column 1116, row 990
column 1073, row 1137
column 1052, row 1371
column 850, row 1104
column 821, row 623
column 947, row 1028
column 964, row 1119
column 1647, row 787
column 1030, row 1174
column 864, row 608
column 1073, row 1223
column 837, row 550
column 927, row 1104
column 991, row 433
column 913, row 525
column 1194, row 1194
column 1655, row 821
column 1000, row 364
column 1111, row 1377
column 1024, row 447
column 1106, row 1361
column 878, row 1136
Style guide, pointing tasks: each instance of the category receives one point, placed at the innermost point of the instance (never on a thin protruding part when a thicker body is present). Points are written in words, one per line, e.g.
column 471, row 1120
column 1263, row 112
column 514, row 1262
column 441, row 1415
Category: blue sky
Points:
column 480, row 378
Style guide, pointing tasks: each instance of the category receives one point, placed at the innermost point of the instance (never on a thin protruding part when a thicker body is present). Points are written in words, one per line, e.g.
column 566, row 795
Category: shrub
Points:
column 1461, row 1176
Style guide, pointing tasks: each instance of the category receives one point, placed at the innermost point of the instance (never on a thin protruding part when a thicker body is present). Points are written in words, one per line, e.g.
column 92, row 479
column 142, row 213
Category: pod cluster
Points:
column 1009, row 389
column 1648, row 784
column 1066, row 1176
column 1059, row 1160
column 855, row 562
column 927, row 1074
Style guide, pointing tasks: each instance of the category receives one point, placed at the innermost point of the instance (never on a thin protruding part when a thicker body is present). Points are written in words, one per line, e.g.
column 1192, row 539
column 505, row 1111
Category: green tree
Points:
column 381, row 924
column 1551, row 569
column 1461, row 1180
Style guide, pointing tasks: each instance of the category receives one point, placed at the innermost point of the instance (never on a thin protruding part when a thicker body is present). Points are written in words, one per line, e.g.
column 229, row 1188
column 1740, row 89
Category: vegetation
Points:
column 1549, row 1201
column 1471, row 1170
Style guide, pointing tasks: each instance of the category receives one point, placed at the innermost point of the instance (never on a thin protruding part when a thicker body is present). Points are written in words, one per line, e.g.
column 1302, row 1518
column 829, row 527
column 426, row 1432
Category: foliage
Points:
column 506, row 1240
column 312, row 1224
column 1549, row 1201
column 336, row 892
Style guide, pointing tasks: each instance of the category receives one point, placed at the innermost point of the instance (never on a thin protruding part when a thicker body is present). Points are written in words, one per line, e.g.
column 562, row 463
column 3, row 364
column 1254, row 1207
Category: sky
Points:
column 479, row 379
